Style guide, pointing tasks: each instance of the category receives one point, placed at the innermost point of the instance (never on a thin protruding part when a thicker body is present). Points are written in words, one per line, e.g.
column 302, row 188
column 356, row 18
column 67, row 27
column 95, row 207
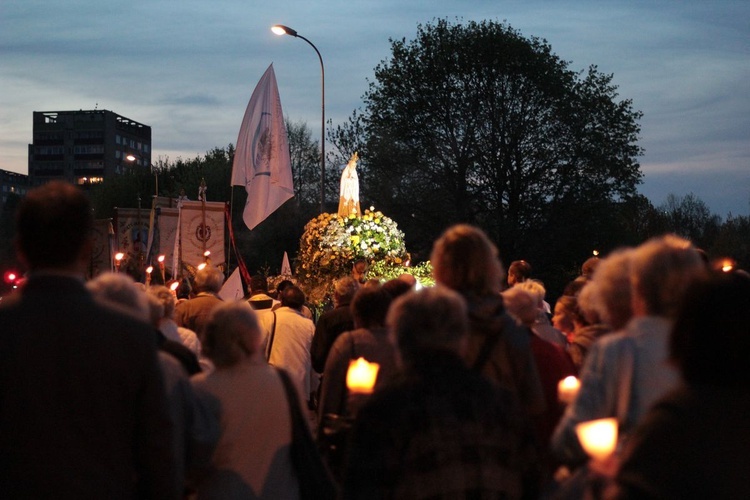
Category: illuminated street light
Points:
column 280, row 29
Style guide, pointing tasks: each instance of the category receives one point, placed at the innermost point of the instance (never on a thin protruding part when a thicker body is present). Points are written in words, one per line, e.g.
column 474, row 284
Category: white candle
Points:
column 598, row 437
column 361, row 376
column 567, row 389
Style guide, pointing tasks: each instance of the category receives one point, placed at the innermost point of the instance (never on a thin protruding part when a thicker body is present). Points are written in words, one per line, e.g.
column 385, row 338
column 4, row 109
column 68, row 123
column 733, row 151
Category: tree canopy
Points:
column 473, row 122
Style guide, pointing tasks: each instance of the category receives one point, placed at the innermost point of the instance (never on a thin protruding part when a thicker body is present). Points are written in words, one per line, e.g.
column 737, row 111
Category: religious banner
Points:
column 131, row 228
column 201, row 230
column 102, row 255
column 167, row 233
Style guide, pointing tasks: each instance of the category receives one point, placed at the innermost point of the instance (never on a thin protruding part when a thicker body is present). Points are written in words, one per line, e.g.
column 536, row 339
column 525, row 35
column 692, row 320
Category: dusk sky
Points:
column 187, row 68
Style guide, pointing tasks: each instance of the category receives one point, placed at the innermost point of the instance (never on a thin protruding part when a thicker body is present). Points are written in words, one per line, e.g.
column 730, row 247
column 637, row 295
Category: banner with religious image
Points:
column 167, row 221
column 131, row 228
column 201, row 230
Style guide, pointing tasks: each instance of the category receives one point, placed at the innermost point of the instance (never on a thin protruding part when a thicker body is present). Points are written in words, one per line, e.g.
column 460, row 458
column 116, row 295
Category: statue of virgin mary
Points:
column 349, row 192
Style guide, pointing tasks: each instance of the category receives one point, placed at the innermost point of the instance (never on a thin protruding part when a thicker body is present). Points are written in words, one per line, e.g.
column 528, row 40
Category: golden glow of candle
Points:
column 119, row 256
column 174, row 285
column 207, row 253
column 567, row 389
column 150, row 269
column 596, row 253
column 598, row 437
column 160, row 259
column 361, row 376
column 201, row 266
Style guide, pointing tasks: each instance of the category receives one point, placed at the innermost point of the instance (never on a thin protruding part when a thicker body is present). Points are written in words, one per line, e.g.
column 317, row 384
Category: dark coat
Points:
column 83, row 409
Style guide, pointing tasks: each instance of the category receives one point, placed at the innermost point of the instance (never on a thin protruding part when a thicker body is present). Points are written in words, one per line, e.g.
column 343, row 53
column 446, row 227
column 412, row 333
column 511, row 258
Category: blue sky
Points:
column 187, row 69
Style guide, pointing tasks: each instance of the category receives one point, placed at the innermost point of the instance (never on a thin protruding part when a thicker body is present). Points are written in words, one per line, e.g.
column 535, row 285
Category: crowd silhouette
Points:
column 113, row 389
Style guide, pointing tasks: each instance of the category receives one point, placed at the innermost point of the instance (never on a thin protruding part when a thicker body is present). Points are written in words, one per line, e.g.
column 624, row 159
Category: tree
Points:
column 476, row 123
column 691, row 218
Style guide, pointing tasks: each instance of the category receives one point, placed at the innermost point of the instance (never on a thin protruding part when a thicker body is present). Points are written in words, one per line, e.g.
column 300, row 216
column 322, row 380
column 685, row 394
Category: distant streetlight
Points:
column 280, row 29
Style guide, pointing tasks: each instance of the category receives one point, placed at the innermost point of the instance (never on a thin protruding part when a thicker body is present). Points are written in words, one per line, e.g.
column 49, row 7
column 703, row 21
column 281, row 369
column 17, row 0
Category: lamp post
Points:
column 280, row 29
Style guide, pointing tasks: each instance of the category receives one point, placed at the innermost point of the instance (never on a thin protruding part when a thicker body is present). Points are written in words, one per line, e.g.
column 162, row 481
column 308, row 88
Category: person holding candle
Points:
column 369, row 340
column 437, row 407
column 694, row 442
column 626, row 372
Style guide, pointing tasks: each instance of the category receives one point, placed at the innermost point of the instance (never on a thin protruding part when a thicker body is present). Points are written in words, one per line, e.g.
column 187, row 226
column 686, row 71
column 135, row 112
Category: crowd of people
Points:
column 111, row 389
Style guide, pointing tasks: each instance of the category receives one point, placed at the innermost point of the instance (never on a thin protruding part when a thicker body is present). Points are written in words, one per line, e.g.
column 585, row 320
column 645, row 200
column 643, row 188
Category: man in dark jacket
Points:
column 83, row 410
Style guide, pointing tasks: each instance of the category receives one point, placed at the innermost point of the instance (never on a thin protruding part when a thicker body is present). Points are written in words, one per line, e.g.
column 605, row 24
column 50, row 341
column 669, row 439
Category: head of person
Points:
column 232, row 334
column 409, row 279
column 293, row 297
column 522, row 305
column 120, row 290
column 370, row 306
column 53, row 228
column 209, row 280
column 465, row 260
column 566, row 314
column 660, row 271
column 710, row 337
column 518, row 272
column 589, row 267
column 397, row 287
column 166, row 297
column 258, row 284
column 428, row 320
column 536, row 289
column 359, row 269
column 281, row 286
column 344, row 290
column 608, row 293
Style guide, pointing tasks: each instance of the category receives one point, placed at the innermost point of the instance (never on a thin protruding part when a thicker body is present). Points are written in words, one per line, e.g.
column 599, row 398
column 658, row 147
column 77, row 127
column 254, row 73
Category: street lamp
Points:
column 280, row 29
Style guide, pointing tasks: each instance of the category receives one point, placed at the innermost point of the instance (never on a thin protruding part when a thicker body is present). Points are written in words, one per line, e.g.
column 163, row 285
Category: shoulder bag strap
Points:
column 487, row 347
column 270, row 340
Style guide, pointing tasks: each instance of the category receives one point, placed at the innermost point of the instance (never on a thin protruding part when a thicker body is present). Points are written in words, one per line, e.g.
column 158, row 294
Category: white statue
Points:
column 349, row 193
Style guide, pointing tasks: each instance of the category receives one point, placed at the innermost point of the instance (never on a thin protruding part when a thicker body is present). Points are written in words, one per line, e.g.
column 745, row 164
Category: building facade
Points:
column 85, row 147
column 12, row 183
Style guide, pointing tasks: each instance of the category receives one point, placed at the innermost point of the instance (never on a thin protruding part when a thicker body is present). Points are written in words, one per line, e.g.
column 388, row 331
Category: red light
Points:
column 10, row 277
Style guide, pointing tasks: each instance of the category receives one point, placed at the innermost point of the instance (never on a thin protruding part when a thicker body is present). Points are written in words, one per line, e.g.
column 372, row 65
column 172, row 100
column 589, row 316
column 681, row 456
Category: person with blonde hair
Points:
column 252, row 458
column 541, row 325
column 626, row 372
column 465, row 260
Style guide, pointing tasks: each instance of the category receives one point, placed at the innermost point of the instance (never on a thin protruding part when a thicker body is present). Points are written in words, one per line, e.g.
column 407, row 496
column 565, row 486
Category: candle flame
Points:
column 361, row 376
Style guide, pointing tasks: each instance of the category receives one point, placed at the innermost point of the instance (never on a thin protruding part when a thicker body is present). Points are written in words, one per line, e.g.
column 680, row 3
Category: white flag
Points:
column 232, row 289
column 286, row 269
column 261, row 160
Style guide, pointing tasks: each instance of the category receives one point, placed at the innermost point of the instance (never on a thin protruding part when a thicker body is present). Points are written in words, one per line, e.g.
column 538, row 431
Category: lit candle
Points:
column 598, row 437
column 567, row 389
column 149, row 270
column 360, row 378
column 160, row 259
column 118, row 260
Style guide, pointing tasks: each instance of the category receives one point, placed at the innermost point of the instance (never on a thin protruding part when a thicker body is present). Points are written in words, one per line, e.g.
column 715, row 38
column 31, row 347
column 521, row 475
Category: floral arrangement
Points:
column 331, row 244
